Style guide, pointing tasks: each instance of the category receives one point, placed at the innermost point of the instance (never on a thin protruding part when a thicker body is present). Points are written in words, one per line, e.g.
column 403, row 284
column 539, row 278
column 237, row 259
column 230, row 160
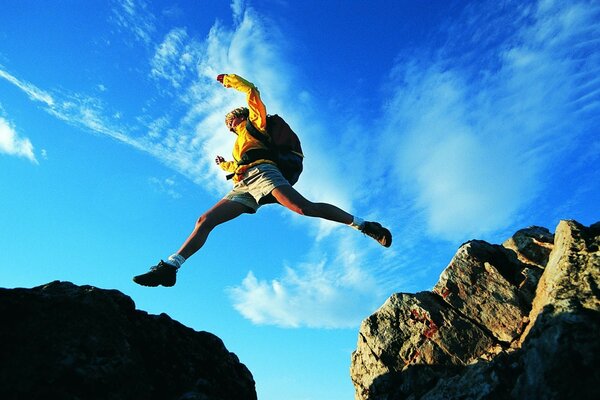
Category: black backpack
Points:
column 283, row 148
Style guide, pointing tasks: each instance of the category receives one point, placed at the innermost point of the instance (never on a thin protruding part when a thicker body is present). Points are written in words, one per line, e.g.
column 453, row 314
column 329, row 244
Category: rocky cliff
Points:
column 62, row 341
column 516, row 321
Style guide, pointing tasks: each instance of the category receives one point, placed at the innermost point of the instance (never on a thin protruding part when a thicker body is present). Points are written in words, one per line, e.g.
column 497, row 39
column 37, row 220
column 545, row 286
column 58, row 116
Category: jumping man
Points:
column 255, row 184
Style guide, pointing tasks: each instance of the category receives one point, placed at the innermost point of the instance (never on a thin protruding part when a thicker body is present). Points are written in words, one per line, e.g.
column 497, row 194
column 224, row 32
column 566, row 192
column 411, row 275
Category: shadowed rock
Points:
column 62, row 341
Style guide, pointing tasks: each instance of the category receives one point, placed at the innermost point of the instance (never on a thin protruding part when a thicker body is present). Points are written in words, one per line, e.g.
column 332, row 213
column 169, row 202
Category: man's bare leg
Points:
column 225, row 210
column 289, row 197
column 165, row 273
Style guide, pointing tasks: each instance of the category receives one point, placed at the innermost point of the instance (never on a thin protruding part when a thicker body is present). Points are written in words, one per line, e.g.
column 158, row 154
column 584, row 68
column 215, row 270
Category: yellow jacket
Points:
column 245, row 141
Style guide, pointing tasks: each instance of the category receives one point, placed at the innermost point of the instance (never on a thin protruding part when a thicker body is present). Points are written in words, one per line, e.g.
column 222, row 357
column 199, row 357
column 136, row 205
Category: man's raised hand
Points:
column 219, row 160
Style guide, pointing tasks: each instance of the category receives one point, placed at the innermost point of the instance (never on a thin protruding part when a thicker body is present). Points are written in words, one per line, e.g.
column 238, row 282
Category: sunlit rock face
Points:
column 63, row 341
column 517, row 321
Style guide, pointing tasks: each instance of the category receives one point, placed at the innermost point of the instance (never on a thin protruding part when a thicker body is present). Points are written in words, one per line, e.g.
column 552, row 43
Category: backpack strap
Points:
column 256, row 134
column 270, row 153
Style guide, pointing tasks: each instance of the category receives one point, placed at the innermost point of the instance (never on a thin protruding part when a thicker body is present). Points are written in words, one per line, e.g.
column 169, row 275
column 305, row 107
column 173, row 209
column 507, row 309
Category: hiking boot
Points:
column 377, row 232
column 161, row 274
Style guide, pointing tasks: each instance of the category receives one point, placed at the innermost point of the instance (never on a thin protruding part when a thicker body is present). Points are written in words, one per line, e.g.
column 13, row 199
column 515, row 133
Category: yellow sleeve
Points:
column 229, row 166
column 258, row 111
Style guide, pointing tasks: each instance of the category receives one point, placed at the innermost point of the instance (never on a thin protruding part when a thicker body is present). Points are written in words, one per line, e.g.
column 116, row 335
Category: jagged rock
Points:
column 573, row 271
column 554, row 357
column 484, row 282
column 563, row 339
column 413, row 329
column 532, row 245
column 62, row 341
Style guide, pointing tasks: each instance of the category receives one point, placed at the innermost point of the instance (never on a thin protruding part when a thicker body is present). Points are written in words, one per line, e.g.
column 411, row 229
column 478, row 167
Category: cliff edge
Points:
column 62, row 341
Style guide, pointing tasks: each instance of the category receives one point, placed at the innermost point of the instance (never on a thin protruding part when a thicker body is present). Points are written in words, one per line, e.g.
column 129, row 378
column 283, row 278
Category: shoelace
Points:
column 163, row 264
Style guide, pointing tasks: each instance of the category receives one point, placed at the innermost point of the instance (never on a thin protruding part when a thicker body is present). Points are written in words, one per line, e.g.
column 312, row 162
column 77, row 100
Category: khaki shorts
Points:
column 256, row 185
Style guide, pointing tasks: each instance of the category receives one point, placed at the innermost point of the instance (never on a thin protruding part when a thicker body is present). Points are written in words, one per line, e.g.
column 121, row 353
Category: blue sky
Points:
column 446, row 121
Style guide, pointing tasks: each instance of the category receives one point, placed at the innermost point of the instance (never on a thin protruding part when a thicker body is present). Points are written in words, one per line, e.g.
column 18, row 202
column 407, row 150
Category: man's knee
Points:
column 205, row 221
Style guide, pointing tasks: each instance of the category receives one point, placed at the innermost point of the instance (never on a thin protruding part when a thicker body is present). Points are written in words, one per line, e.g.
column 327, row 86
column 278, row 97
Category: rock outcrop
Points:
column 62, row 341
column 517, row 321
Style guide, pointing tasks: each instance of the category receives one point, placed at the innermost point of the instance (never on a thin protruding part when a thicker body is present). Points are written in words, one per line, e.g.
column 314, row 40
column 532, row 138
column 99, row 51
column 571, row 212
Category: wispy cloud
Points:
column 238, row 7
column 133, row 16
column 190, row 66
column 480, row 128
column 321, row 294
column 167, row 186
column 33, row 92
column 90, row 113
column 175, row 58
column 12, row 144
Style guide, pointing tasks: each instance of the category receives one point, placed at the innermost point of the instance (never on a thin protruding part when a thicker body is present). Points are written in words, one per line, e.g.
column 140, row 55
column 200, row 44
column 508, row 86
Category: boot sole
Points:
column 168, row 284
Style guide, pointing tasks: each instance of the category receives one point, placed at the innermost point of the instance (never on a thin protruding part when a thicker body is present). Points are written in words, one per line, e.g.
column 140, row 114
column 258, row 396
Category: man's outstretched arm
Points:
column 258, row 111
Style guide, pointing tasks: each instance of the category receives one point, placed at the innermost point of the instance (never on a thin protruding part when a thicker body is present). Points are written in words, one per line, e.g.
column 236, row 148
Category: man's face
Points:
column 234, row 123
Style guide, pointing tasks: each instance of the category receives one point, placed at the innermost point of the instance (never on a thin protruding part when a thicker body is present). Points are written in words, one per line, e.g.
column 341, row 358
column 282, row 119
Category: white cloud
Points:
column 12, row 144
column 320, row 295
column 33, row 92
column 168, row 186
column 238, row 7
column 175, row 58
column 475, row 143
column 133, row 16
column 86, row 112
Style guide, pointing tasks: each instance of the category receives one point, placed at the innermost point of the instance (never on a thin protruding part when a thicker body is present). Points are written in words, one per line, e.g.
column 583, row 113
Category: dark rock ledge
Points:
column 62, row 341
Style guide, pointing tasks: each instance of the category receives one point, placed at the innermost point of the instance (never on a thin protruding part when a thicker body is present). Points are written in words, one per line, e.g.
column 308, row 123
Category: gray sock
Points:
column 357, row 223
column 175, row 260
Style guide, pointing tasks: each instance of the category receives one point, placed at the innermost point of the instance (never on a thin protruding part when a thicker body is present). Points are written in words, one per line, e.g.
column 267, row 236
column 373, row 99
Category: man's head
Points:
column 235, row 116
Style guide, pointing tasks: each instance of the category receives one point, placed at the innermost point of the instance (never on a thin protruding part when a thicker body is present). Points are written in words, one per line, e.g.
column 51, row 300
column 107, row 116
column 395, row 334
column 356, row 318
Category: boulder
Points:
column 487, row 283
column 412, row 330
column 561, row 345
